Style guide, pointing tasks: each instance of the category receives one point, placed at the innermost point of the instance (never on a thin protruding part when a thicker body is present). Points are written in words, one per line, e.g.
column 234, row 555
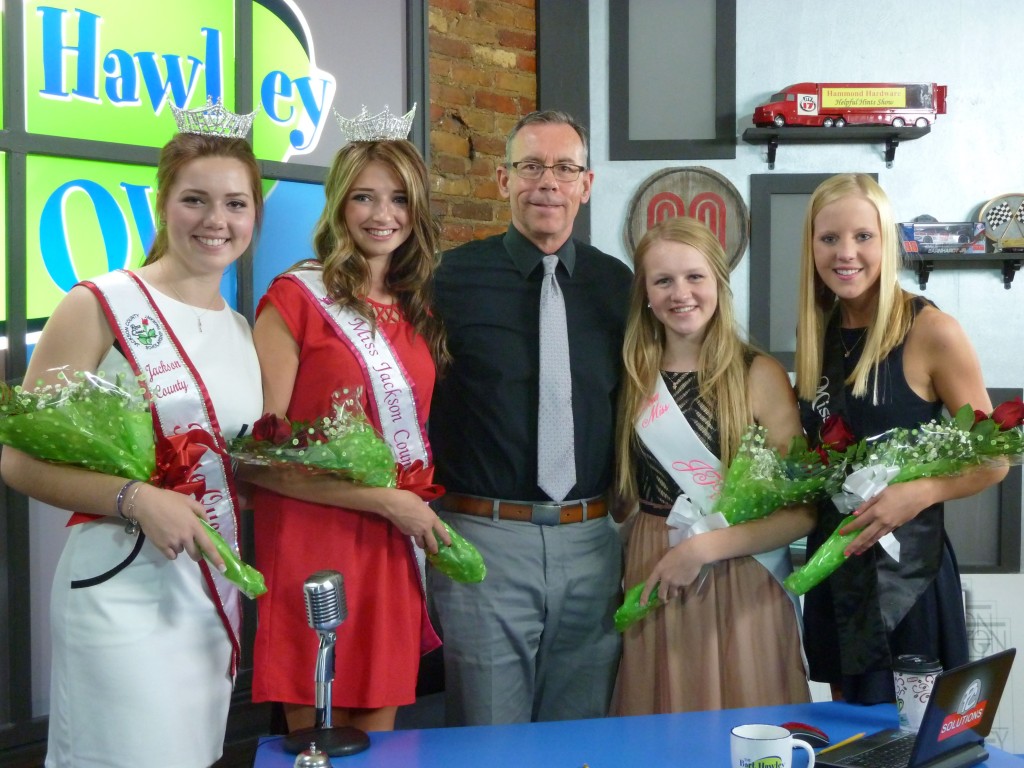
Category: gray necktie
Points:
column 556, row 457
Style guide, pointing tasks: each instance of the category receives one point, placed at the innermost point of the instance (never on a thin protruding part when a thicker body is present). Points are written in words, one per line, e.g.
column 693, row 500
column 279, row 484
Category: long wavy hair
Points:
column 182, row 150
column 722, row 363
column 893, row 312
column 409, row 278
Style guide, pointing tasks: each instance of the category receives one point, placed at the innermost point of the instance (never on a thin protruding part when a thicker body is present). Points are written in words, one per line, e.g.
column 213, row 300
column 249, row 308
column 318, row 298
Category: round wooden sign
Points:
column 697, row 192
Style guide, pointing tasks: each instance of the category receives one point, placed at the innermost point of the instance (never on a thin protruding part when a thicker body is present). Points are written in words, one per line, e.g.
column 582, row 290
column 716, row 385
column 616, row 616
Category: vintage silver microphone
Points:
column 324, row 593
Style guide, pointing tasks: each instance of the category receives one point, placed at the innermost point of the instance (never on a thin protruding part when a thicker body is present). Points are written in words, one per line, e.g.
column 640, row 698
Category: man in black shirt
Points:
column 535, row 640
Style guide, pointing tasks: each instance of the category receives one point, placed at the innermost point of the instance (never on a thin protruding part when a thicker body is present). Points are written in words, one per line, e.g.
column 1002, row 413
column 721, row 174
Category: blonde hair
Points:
column 893, row 310
column 722, row 363
column 346, row 274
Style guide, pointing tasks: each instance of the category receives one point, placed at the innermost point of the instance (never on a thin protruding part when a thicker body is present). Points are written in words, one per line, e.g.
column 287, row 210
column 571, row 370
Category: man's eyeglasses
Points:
column 531, row 171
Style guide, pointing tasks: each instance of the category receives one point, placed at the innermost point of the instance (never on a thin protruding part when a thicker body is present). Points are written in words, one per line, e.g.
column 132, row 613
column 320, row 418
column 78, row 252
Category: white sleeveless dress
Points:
column 141, row 659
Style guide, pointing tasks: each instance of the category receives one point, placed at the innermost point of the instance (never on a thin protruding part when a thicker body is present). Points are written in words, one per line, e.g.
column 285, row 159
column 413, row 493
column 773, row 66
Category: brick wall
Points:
column 482, row 80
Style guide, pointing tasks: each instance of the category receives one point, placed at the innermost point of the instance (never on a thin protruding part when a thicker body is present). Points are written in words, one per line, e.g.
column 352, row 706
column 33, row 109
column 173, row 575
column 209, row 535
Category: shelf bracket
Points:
column 1010, row 268
column 924, row 268
column 772, row 146
column 891, row 142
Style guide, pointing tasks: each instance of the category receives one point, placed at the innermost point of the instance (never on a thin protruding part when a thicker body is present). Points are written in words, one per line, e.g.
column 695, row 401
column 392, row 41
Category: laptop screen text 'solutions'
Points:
column 962, row 706
column 957, row 718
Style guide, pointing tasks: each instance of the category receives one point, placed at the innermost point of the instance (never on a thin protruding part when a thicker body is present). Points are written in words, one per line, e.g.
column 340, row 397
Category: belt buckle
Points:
column 546, row 514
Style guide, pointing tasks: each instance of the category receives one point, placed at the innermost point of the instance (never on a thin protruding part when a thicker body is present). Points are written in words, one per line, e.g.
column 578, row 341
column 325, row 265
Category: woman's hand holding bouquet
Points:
column 107, row 427
column 942, row 448
column 851, row 472
column 345, row 445
column 758, row 481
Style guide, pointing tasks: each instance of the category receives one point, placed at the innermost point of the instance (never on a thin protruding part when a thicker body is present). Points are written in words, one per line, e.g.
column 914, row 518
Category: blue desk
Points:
column 671, row 741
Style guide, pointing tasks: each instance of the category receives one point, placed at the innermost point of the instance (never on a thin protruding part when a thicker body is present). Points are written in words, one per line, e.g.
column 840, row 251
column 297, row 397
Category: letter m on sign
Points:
column 707, row 207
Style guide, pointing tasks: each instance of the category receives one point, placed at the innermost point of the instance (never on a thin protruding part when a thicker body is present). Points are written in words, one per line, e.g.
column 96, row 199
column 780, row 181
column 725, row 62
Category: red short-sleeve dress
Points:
column 379, row 644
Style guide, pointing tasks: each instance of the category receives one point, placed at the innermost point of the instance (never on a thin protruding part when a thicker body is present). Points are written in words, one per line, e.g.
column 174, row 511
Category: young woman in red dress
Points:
column 357, row 321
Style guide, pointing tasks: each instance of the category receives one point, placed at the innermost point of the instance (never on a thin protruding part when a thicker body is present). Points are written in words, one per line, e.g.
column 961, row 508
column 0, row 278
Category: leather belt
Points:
column 538, row 513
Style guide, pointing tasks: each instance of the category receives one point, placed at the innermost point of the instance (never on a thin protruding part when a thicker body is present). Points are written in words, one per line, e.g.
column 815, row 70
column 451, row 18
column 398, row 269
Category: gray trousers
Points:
column 535, row 640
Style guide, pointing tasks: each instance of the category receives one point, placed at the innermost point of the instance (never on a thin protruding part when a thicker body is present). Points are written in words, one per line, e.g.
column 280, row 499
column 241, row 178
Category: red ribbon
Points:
column 418, row 478
column 177, row 461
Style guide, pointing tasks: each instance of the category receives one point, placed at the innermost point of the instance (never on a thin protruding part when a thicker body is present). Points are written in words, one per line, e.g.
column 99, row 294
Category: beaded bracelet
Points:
column 131, row 525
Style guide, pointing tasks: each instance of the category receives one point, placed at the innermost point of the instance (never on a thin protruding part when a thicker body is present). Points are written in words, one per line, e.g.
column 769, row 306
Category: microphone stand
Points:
column 336, row 742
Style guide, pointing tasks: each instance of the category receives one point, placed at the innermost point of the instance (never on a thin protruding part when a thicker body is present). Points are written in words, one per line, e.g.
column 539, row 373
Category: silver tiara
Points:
column 383, row 126
column 213, row 120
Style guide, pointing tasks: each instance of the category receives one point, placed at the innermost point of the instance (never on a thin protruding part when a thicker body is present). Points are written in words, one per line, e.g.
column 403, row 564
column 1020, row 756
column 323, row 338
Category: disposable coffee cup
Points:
column 914, row 678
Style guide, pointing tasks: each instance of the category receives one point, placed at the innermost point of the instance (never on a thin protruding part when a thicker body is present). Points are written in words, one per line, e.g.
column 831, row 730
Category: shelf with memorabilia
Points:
column 1008, row 262
column 891, row 136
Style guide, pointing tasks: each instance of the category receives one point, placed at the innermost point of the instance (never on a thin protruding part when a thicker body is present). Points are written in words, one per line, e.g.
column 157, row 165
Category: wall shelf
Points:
column 862, row 134
column 1008, row 262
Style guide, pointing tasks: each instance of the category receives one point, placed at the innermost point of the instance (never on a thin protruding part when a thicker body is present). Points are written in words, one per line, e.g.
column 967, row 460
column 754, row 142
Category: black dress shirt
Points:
column 483, row 420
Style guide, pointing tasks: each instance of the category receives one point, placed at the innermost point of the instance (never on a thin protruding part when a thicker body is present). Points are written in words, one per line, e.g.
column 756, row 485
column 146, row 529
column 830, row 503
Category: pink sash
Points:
column 665, row 431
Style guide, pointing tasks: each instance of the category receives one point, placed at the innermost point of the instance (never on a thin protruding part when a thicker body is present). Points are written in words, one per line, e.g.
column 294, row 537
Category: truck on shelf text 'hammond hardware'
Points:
column 837, row 104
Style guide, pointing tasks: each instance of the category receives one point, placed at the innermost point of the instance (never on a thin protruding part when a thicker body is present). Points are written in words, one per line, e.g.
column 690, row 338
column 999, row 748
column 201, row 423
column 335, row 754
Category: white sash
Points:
column 390, row 396
column 180, row 403
column 671, row 440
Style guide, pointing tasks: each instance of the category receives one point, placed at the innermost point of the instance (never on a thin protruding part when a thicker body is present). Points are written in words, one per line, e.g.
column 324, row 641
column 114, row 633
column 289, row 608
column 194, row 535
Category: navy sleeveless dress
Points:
column 873, row 608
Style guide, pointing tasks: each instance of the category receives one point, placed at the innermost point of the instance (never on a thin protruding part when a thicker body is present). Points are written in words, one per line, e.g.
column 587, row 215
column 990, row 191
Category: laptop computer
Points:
column 957, row 718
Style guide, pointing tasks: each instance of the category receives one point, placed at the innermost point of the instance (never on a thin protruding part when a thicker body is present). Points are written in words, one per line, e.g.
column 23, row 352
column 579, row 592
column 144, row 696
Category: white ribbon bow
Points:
column 686, row 520
column 864, row 484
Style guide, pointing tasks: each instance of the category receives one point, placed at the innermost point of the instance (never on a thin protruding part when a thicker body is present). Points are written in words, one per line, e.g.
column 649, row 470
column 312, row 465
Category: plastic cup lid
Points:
column 911, row 662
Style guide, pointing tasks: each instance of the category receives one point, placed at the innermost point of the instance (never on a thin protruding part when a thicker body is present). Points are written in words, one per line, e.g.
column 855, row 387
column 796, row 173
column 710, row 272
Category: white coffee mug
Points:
column 766, row 746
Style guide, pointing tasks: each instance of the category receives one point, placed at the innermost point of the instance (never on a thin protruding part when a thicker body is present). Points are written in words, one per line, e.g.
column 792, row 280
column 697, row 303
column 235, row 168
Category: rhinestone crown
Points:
column 383, row 126
column 213, row 120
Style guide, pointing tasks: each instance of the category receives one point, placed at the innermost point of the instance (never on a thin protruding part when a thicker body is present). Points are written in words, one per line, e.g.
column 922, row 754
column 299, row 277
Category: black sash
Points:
column 830, row 395
column 870, row 593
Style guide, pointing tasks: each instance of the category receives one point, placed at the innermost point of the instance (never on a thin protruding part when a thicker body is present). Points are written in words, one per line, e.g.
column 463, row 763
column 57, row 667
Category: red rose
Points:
column 823, row 454
column 269, row 428
column 835, row 434
column 1010, row 414
column 979, row 416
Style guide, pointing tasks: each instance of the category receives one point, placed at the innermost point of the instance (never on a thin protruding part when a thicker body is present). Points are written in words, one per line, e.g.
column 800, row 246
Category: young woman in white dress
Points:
column 145, row 640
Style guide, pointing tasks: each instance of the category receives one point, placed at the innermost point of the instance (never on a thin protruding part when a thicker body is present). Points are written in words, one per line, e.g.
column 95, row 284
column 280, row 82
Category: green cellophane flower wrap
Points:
column 941, row 448
column 248, row 580
column 631, row 610
column 461, row 561
column 342, row 443
column 87, row 421
column 759, row 481
column 346, row 445
column 83, row 420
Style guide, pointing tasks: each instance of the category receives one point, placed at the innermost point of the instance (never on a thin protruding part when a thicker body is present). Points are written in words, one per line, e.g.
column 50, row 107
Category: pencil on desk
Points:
column 843, row 743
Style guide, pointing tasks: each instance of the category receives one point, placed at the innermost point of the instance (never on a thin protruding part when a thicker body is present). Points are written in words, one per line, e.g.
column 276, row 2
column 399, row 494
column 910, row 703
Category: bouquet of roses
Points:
column 103, row 426
column 758, row 481
column 343, row 443
column 939, row 448
column 346, row 445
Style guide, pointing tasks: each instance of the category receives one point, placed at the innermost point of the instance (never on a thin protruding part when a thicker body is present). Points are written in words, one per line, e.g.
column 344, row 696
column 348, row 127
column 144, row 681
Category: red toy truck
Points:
column 839, row 104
